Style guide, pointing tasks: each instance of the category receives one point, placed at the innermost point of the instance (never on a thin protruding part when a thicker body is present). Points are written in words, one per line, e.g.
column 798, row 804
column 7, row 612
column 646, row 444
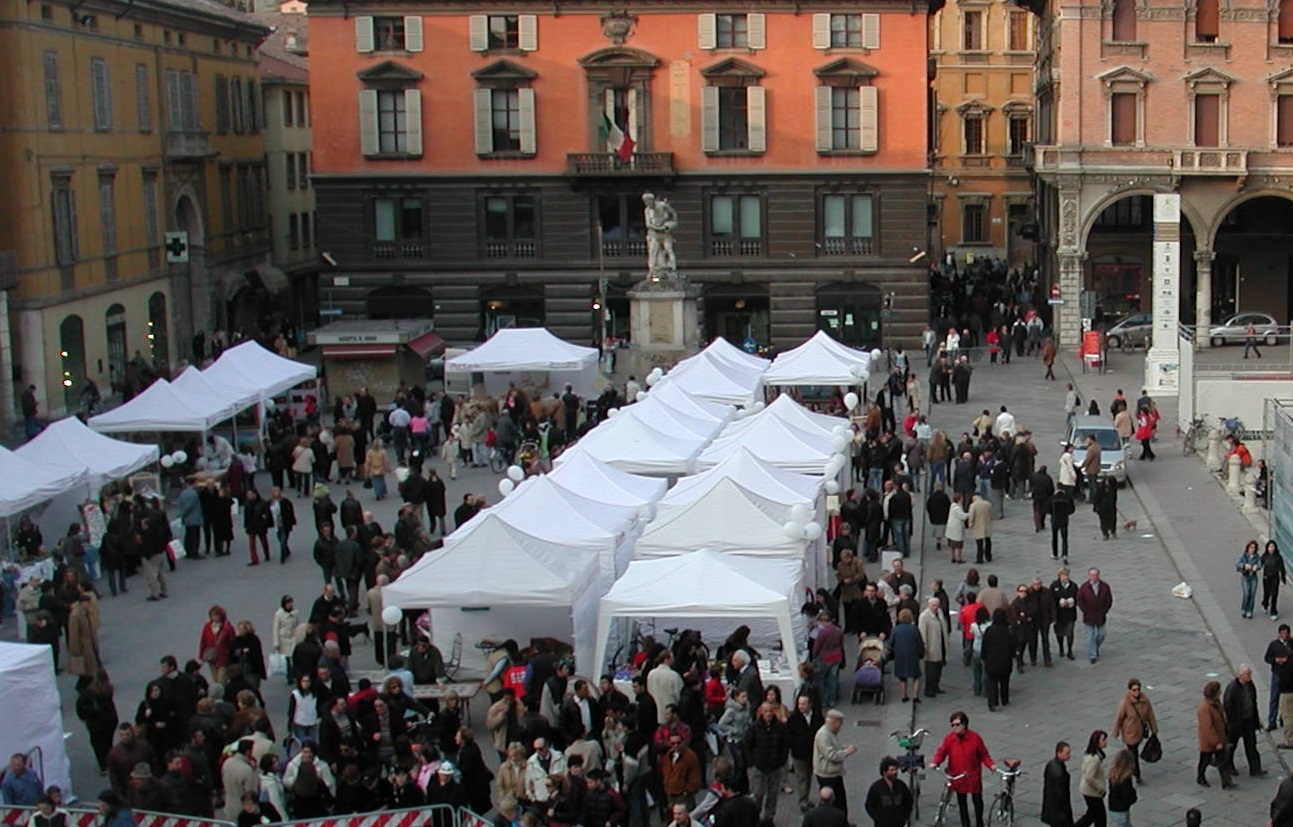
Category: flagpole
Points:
column 601, row 282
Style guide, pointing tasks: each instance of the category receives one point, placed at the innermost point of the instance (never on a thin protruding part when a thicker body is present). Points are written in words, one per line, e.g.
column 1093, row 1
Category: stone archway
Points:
column 195, row 305
column 1252, row 269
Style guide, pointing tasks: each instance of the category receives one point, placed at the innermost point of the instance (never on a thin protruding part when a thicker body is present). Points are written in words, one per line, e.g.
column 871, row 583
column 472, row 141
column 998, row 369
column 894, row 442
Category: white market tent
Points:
column 743, row 468
column 33, row 712
column 819, row 361
column 193, row 383
column 498, row 581
column 663, row 417
column 24, row 483
column 711, row 592
column 675, row 397
column 511, row 352
column 68, row 443
column 774, row 441
column 250, row 368
column 588, row 477
column 727, row 518
column 629, row 444
column 160, row 407
column 706, row 380
column 724, row 351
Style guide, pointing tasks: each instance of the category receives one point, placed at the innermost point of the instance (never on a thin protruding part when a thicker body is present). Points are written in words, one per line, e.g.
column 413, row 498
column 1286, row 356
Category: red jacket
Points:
column 968, row 611
column 1095, row 608
column 965, row 753
column 221, row 643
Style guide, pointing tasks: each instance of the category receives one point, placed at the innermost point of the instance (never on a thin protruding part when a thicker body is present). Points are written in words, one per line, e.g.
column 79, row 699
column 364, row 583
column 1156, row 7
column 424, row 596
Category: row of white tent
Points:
column 599, row 538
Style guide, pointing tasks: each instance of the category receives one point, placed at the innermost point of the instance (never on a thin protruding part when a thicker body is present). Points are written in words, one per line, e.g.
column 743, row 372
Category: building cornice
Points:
column 349, row 8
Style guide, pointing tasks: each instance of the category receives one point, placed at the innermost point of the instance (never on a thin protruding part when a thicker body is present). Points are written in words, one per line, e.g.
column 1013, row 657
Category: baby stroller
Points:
column 868, row 675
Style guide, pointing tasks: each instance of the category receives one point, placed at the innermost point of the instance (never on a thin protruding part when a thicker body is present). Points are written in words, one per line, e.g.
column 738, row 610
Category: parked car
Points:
column 1114, row 452
column 1234, row 330
column 1133, row 330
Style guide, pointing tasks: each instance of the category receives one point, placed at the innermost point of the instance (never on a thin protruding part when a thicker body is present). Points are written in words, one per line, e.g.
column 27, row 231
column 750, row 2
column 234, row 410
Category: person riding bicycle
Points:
column 506, row 435
column 966, row 753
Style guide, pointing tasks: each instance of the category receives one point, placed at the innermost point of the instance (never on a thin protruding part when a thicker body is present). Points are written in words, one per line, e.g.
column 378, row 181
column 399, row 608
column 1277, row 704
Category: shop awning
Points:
column 363, row 351
column 427, row 345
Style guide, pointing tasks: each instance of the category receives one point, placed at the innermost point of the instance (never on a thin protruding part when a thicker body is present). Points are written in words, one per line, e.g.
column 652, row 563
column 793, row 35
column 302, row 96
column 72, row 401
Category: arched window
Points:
column 158, row 335
column 71, row 342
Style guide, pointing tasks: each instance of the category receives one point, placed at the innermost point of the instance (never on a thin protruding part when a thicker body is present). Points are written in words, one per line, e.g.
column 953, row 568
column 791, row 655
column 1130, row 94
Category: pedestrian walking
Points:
column 998, row 658
column 1104, row 502
column 1242, row 720
column 1094, row 600
column 829, row 754
column 1145, row 434
column 1061, row 509
column 1250, row 341
column 1092, row 784
column 1135, row 721
column 1273, row 575
column 1122, row 792
column 1212, row 737
column 1249, row 566
column 1057, row 806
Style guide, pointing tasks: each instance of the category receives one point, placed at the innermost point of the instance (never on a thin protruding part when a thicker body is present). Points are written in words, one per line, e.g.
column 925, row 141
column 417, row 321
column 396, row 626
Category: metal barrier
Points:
column 83, row 817
column 412, row 817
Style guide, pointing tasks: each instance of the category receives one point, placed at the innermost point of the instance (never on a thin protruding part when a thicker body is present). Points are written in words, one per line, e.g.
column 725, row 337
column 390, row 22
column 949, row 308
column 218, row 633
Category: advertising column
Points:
column 1163, row 361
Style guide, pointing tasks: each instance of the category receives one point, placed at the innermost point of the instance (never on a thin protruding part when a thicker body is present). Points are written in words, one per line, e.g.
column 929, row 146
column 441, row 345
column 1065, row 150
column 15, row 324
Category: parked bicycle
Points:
column 1002, row 811
column 940, row 818
column 1195, row 438
column 912, row 763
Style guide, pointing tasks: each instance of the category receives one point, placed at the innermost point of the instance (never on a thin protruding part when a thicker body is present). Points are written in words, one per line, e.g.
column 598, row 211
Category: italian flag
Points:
column 621, row 143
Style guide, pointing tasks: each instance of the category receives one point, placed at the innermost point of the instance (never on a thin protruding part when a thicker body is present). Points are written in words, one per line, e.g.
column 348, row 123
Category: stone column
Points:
column 1068, row 316
column 8, row 401
column 1163, row 361
column 1203, row 297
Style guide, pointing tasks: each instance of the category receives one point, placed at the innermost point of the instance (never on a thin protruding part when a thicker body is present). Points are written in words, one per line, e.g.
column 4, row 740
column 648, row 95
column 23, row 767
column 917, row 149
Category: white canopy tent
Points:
column 819, row 361
column 705, row 590
column 498, row 581
column 160, row 407
column 747, row 471
column 193, row 383
column 251, row 368
column 636, row 447
column 24, row 483
column 724, row 351
column 774, row 441
column 663, row 417
column 69, row 444
column 512, row 352
column 33, row 713
column 726, row 518
column 584, row 475
column 706, row 380
column 697, row 407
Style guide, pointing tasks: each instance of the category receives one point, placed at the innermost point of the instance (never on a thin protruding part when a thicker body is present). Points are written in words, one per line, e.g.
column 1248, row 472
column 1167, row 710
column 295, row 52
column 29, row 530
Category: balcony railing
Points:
column 399, row 249
column 594, row 164
column 188, row 145
column 736, row 247
column 617, row 248
column 847, row 246
column 511, row 249
column 1192, row 161
column 1211, row 161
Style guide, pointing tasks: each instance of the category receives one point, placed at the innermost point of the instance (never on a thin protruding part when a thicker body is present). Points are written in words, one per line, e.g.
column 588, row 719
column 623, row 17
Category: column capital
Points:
column 1205, row 256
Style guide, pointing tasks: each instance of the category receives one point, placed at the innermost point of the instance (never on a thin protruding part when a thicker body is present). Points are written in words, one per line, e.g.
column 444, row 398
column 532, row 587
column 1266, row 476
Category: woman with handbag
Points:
column 1135, row 721
column 215, row 645
column 1212, row 737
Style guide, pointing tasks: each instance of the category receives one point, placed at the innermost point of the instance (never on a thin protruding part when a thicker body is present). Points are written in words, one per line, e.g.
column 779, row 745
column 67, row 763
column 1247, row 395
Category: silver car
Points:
column 1131, row 331
column 1113, row 450
column 1235, row 329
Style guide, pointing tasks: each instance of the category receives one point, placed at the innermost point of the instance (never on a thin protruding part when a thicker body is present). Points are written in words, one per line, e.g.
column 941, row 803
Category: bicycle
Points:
column 940, row 818
column 912, row 763
column 1196, row 436
column 1002, row 811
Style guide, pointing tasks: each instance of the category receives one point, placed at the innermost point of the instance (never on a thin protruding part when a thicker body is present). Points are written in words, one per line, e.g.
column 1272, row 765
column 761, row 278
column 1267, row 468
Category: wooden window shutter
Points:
column 484, row 120
column 363, row 35
column 1284, row 22
column 706, row 31
column 53, row 92
column 757, row 118
column 869, row 130
column 1122, row 116
column 709, row 119
column 870, row 31
column 102, row 92
column 1207, row 20
column 413, row 41
column 525, row 108
column 821, row 31
column 478, row 33
column 412, row 124
column 1284, row 120
column 527, row 32
column 1207, row 120
column 825, row 140
column 757, row 28
column 368, row 122
column 635, row 117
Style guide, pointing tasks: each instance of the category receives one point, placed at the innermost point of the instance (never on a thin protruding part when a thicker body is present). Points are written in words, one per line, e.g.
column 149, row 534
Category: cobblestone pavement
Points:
column 1188, row 529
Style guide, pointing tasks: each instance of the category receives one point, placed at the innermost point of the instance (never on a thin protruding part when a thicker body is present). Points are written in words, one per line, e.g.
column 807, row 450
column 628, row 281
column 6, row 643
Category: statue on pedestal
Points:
column 661, row 220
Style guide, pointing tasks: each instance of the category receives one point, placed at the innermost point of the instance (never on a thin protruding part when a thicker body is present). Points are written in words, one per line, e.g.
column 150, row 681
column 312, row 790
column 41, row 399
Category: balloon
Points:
column 832, row 487
column 799, row 513
column 850, row 400
column 180, row 457
column 838, row 430
column 838, row 443
column 876, row 354
column 857, row 371
column 657, row 372
column 827, row 470
column 612, row 412
column 835, row 464
column 813, row 530
column 516, row 473
column 641, row 397
column 760, row 405
column 392, row 615
column 794, row 531
column 651, row 379
column 505, row 486
column 168, row 461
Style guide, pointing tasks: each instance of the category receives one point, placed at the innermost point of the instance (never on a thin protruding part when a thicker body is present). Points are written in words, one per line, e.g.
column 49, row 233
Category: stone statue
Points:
column 661, row 220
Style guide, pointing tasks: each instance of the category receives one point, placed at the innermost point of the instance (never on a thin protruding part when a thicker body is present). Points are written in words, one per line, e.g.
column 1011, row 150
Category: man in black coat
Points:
column 1061, row 509
column 802, row 728
column 1243, row 719
column 998, row 658
column 283, row 513
column 1043, row 489
column 769, row 741
column 826, row 814
column 873, row 614
column 937, row 506
column 1057, row 806
column 889, row 800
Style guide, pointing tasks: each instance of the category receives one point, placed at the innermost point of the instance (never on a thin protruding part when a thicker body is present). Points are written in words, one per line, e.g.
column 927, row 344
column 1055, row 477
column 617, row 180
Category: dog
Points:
column 1130, row 525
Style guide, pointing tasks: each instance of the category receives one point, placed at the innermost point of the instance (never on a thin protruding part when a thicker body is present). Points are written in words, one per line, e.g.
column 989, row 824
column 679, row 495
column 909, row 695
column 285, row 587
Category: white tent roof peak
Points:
column 584, row 474
column 774, row 441
column 819, row 361
column 24, row 483
column 252, row 368
column 724, row 350
column 708, row 520
column 69, row 443
column 524, row 348
column 752, row 474
column 159, row 407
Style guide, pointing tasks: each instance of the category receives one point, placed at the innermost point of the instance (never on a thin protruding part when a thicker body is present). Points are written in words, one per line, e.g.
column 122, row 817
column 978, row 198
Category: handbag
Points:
column 277, row 663
column 1151, row 750
column 209, row 654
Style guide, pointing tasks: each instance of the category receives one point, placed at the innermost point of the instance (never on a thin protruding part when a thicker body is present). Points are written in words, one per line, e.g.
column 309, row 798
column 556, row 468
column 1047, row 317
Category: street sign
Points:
column 177, row 248
column 329, row 311
column 749, row 345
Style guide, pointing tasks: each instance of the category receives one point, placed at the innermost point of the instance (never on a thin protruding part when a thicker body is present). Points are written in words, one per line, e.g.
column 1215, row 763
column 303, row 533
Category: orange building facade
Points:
column 464, row 163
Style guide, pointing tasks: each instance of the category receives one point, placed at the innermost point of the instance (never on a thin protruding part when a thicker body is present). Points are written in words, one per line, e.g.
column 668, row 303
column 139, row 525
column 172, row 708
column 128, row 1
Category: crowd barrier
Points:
column 413, row 817
column 85, row 817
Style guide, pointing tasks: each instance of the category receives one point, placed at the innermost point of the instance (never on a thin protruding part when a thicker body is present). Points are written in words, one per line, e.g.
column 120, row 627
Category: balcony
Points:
column 839, row 246
column 1211, row 161
column 511, row 249
column 399, row 249
column 1051, row 160
column 624, row 248
column 736, row 247
column 609, row 165
column 188, row 145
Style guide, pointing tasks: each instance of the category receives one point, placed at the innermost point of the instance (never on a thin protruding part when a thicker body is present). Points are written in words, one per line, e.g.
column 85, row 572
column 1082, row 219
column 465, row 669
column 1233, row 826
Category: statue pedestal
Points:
column 663, row 324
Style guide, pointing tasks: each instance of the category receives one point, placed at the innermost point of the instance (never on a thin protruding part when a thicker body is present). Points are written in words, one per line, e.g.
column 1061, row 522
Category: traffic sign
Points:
column 749, row 345
column 177, row 248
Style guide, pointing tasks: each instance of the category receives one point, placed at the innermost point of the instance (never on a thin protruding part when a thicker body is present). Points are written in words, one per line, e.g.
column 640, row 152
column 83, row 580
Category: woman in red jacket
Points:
column 215, row 646
column 966, row 754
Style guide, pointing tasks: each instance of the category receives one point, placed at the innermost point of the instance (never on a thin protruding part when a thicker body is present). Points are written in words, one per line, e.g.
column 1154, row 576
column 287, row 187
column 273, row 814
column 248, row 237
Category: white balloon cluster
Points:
column 171, row 460
column 392, row 615
column 757, row 407
column 654, row 376
column 802, row 525
column 641, row 397
column 857, row 371
column 507, row 485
